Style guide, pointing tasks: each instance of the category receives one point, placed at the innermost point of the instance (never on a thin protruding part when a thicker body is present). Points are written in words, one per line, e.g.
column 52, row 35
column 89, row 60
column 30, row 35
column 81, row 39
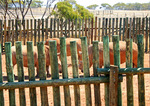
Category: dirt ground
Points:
column 82, row 89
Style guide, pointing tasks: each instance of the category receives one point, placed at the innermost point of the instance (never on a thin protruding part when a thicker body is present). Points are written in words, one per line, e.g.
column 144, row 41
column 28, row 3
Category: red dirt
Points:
column 82, row 89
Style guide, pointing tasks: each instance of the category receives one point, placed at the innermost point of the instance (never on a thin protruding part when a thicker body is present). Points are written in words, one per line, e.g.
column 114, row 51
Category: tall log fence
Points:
column 94, row 29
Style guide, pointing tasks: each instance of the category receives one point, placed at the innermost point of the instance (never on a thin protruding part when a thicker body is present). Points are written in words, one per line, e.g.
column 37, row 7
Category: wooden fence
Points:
column 94, row 29
column 111, row 95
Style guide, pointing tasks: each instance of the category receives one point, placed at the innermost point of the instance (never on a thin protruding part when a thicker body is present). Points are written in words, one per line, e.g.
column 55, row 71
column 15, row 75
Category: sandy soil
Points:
column 82, row 89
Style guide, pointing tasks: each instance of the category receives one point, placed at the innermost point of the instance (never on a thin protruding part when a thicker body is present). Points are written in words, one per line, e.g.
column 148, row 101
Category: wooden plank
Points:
column 110, row 37
column 85, row 28
column 16, row 30
column 1, row 35
column 72, row 29
column 61, row 27
column 103, row 27
column 79, row 28
column 139, row 26
column 116, row 26
column 20, row 30
column 54, row 28
column 129, row 77
column 86, row 69
column 95, row 35
column 124, row 21
column 137, row 32
column 42, row 72
column 113, row 86
column 5, row 32
column 31, row 25
column 66, row 33
column 75, row 28
column 64, row 66
column 55, row 72
column 106, row 59
column 13, row 36
column 141, row 84
column 27, row 30
column 129, row 28
column 146, row 36
column 116, row 50
column 74, row 60
column 10, row 73
column 120, row 29
column 46, row 27
column 8, row 31
column 149, row 34
column 134, row 30
column 69, row 22
column 82, row 27
column 35, row 33
column 92, row 27
column 24, row 33
column 19, row 59
column 143, row 25
column 39, row 24
column 89, row 31
column 51, row 25
column 113, row 22
column 126, row 28
column 95, row 66
column 42, row 29
column 31, row 73
column 99, row 28
column 1, row 78
column 58, row 28
column 106, row 23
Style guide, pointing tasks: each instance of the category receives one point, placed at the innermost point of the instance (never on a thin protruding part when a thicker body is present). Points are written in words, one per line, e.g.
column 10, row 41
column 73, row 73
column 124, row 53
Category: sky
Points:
column 86, row 3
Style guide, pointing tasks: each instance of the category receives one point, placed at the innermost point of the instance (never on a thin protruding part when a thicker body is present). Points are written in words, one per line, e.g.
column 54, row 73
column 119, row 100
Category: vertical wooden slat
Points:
column 54, row 27
column 1, row 35
column 86, row 69
column 95, row 66
column 35, row 33
column 143, row 25
column 89, row 31
column 92, row 26
column 69, row 22
column 116, row 50
column 149, row 33
column 139, row 26
column 66, row 33
column 95, row 35
column 24, row 32
column 126, row 28
column 42, row 29
column 133, row 28
column 79, row 28
column 103, row 27
column 51, row 25
column 120, row 28
column 61, row 27
column 99, row 28
column 106, row 23
column 124, row 21
column 31, row 25
column 5, row 31
column 19, row 59
column 20, row 30
column 10, row 73
column 106, row 59
column 42, row 72
column 9, row 37
column 16, row 30
column 141, row 85
column 146, row 44
column 58, row 28
column 54, row 68
column 129, row 28
column 83, row 27
column 46, row 28
column 39, row 24
column 13, row 33
column 75, row 28
column 110, row 30
column 116, row 26
column 137, row 32
column 129, row 77
column 74, row 60
column 1, row 79
column 113, row 22
column 31, row 72
column 63, row 56
column 27, row 30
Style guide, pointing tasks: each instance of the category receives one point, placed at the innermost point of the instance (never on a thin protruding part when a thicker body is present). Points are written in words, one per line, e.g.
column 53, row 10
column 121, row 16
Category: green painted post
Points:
column 82, row 27
column 116, row 26
column 10, row 73
column 19, row 59
column 74, row 60
column 117, row 63
column 95, row 66
column 141, row 85
column 86, row 69
column 64, row 66
column 31, row 72
column 1, row 80
column 42, row 72
column 55, row 72
column 43, row 29
column 129, row 81
column 106, row 59
column 89, row 31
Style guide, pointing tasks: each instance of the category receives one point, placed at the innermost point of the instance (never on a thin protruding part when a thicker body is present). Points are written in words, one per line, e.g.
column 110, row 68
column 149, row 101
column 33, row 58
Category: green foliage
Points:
column 106, row 5
column 66, row 10
column 36, row 3
column 71, row 1
column 92, row 6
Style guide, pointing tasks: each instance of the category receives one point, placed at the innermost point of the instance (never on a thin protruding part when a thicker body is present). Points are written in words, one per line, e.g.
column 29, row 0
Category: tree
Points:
column 36, row 3
column 92, row 6
column 119, row 6
column 67, row 11
column 107, row 6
